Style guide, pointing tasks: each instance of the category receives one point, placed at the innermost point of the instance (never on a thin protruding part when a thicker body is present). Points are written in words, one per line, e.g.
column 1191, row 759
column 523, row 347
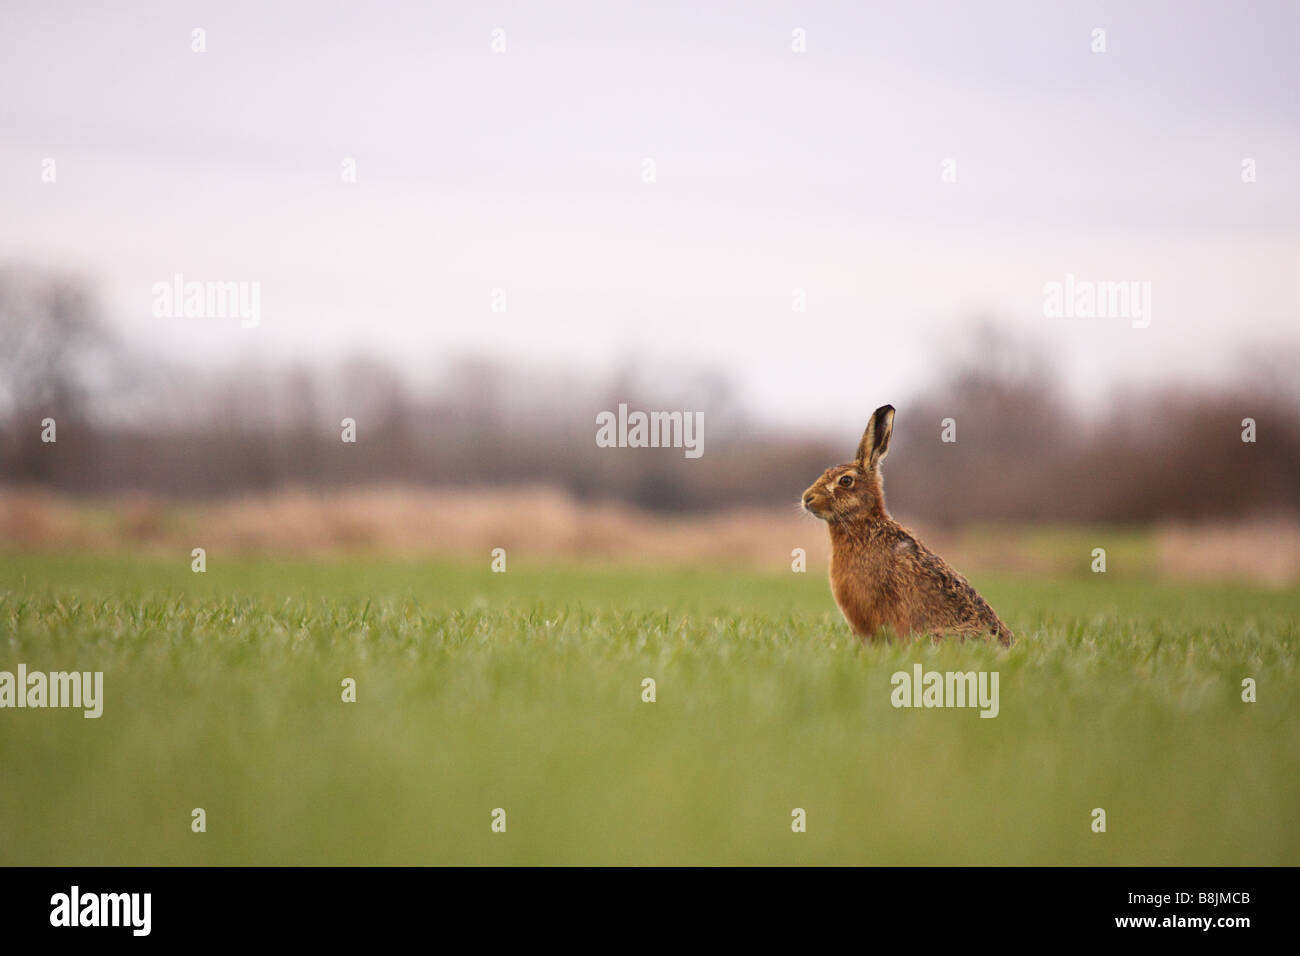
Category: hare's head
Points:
column 854, row 492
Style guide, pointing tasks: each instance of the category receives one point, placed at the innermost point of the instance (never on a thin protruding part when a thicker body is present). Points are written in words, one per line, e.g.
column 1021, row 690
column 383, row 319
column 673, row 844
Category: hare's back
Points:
column 945, row 598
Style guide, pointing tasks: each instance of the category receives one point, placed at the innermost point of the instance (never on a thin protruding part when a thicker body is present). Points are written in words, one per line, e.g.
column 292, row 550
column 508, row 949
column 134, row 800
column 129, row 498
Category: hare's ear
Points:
column 875, row 440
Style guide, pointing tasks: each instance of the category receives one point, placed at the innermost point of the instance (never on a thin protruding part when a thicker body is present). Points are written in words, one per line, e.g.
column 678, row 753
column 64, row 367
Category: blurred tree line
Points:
column 1021, row 451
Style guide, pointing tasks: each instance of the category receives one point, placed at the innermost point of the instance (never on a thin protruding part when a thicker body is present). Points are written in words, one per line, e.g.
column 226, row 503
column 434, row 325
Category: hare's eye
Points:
column 846, row 480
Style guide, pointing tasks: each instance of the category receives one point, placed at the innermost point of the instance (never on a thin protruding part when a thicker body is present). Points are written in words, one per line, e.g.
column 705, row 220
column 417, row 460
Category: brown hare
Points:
column 882, row 576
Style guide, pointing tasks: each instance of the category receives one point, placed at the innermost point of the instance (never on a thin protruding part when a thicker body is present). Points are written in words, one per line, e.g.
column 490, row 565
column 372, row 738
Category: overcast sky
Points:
column 776, row 170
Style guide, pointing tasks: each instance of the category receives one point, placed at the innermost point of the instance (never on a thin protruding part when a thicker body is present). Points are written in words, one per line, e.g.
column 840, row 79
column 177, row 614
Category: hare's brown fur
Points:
column 882, row 576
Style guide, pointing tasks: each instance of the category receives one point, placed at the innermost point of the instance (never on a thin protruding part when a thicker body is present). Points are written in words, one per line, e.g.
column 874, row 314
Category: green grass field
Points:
column 523, row 691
